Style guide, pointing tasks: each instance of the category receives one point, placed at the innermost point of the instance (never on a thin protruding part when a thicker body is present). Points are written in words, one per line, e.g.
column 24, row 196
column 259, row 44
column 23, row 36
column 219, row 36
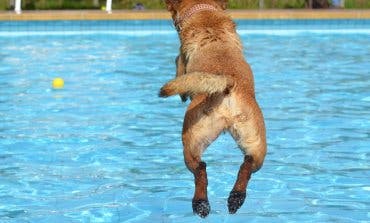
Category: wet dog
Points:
column 212, row 72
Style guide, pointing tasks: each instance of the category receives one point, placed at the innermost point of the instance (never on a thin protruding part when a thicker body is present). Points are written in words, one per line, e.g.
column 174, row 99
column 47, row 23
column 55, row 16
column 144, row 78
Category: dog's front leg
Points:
column 180, row 70
column 180, row 65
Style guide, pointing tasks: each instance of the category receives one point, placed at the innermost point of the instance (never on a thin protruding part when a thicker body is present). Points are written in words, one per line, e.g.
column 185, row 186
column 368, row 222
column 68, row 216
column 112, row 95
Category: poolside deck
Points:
column 161, row 14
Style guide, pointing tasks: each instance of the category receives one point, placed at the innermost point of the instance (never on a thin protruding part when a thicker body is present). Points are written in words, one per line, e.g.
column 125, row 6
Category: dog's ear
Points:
column 222, row 3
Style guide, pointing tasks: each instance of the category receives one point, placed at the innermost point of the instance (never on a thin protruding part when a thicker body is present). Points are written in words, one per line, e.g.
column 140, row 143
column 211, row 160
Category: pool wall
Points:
column 67, row 22
column 65, row 27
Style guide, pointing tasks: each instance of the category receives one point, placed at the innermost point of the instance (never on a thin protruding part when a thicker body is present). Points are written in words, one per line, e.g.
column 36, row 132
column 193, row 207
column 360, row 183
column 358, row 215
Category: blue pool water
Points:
column 107, row 149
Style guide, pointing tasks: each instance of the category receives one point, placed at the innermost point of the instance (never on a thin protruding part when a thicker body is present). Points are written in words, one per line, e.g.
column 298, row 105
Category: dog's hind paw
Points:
column 235, row 201
column 201, row 207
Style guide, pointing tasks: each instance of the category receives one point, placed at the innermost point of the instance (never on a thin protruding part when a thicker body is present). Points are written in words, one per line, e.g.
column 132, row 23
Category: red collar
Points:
column 190, row 12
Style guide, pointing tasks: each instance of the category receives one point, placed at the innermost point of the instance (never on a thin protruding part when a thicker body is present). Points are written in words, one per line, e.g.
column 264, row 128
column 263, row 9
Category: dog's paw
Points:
column 201, row 207
column 235, row 201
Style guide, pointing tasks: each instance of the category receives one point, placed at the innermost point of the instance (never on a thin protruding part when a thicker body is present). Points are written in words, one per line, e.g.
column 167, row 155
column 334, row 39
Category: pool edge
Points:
column 163, row 15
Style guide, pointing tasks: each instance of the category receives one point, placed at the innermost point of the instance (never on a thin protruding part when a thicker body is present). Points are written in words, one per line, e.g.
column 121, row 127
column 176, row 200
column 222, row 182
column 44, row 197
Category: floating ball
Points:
column 58, row 83
column 103, row 8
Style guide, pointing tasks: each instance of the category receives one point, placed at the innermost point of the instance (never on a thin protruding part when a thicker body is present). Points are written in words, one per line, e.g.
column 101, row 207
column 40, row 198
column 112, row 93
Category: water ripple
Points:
column 107, row 149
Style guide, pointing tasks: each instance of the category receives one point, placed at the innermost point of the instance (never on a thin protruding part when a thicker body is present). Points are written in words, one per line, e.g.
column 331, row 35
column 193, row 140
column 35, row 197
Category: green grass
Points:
column 364, row 4
column 159, row 4
column 3, row 5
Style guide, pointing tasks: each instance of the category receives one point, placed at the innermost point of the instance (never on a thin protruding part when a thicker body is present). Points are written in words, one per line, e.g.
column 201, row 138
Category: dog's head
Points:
column 176, row 7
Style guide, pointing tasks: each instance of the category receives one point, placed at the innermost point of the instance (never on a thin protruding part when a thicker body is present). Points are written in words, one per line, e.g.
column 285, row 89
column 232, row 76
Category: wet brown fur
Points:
column 211, row 69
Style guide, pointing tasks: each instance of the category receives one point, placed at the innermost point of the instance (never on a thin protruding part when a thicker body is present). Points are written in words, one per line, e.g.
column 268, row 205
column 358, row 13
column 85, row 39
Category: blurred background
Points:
column 159, row 4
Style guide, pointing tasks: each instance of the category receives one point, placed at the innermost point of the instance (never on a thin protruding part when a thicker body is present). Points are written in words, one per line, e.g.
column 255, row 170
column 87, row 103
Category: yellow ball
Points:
column 103, row 8
column 58, row 83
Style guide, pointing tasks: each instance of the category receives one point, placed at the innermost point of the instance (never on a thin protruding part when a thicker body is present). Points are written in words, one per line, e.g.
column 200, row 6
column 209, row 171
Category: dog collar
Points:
column 193, row 10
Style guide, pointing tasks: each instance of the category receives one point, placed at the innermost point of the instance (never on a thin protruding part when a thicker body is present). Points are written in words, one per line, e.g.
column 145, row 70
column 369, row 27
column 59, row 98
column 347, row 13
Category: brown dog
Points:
column 212, row 71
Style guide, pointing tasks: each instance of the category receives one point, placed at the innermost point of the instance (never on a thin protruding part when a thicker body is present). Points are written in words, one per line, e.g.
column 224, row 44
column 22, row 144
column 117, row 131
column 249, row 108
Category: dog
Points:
column 212, row 72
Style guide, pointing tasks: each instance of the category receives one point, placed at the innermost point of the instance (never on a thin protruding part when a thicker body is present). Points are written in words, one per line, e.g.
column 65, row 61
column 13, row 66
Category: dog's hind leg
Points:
column 200, row 129
column 200, row 201
column 249, row 132
column 238, row 193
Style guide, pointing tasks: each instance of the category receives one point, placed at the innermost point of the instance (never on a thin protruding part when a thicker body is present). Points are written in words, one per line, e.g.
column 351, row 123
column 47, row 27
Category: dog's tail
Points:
column 196, row 83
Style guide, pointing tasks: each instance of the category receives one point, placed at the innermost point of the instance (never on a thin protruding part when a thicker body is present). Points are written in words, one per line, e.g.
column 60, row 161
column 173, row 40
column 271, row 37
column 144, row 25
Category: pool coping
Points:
column 53, row 15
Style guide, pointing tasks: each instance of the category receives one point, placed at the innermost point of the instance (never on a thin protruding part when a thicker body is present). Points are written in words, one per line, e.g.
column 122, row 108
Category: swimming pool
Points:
column 107, row 149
